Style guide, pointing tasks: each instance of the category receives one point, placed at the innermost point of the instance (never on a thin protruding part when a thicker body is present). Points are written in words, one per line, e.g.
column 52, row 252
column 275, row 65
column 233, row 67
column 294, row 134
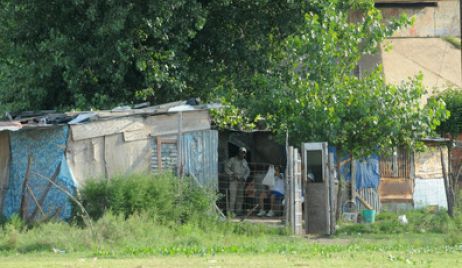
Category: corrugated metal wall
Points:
column 200, row 156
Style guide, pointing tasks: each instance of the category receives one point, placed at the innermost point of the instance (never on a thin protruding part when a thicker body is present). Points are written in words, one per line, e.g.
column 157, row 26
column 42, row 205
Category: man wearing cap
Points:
column 238, row 171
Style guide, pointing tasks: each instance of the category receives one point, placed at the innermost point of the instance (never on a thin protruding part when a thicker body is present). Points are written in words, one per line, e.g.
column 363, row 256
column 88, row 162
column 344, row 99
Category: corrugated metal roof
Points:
column 10, row 125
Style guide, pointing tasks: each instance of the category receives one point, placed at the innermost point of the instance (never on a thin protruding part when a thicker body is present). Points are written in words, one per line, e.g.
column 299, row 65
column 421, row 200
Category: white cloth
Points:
column 269, row 179
column 278, row 185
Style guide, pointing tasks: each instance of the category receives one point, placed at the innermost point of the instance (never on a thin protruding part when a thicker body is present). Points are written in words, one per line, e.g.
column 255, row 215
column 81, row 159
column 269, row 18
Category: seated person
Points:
column 250, row 195
column 276, row 195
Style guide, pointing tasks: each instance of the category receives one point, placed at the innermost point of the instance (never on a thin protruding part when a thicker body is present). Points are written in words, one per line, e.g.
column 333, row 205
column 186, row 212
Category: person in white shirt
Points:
column 238, row 171
column 276, row 195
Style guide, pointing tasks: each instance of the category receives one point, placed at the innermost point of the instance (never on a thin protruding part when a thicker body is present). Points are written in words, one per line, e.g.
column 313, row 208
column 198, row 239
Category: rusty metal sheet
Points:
column 396, row 189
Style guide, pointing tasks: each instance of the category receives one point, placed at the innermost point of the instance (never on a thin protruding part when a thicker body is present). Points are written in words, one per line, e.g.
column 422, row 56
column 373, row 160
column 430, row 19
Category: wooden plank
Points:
column 365, row 203
column 395, row 189
column 167, row 124
column 106, row 127
column 86, row 159
column 136, row 135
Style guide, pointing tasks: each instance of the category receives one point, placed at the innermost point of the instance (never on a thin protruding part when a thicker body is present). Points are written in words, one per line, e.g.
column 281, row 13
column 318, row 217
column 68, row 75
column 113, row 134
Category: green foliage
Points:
column 163, row 197
column 98, row 53
column 453, row 99
column 93, row 53
column 312, row 92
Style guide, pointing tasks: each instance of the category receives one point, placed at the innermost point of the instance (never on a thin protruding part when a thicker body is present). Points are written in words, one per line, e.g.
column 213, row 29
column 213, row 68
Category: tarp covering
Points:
column 367, row 171
column 46, row 147
column 429, row 192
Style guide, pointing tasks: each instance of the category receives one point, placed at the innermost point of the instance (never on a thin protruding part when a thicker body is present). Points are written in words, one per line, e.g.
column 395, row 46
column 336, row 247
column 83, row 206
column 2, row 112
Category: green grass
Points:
column 142, row 232
column 366, row 251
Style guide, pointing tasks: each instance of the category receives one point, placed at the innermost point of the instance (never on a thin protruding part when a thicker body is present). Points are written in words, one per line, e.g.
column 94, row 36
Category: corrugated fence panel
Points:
column 200, row 156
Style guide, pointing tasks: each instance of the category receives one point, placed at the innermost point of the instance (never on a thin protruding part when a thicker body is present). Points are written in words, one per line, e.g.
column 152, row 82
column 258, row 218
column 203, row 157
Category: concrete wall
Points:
column 430, row 21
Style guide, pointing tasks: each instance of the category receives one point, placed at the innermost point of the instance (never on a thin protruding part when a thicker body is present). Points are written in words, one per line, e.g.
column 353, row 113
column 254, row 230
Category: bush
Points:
column 163, row 197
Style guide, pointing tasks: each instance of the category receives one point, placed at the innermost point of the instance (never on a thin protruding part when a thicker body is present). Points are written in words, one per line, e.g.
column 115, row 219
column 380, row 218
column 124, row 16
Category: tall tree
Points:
column 93, row 53
column 313, row 93
column 98, row 53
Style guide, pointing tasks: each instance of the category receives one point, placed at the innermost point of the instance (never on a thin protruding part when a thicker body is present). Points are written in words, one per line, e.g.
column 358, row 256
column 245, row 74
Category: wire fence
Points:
column 253, row 199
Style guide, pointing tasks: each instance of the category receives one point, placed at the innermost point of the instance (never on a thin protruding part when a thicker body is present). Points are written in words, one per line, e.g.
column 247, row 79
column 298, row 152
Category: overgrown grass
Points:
column 141, row 214
column 159, row 215
column 164, row 198
column 140, row 235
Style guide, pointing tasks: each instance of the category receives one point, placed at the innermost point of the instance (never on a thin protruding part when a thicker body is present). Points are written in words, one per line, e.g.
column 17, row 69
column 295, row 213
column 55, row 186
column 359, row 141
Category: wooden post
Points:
column 326, row 179
column 447, row 186
column 298, row 215
column 179, row 146
column 332, row 193
column 353, row 180
column 289, row 176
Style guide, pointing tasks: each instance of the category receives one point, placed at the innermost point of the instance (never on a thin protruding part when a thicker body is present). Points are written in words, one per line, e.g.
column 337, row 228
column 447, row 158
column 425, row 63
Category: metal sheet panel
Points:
column 46, row 147
column 200, row 156
column 430, row 193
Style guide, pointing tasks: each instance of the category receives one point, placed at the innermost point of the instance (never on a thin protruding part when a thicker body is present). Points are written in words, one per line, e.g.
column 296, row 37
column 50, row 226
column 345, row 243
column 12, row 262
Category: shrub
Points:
column 163, row 197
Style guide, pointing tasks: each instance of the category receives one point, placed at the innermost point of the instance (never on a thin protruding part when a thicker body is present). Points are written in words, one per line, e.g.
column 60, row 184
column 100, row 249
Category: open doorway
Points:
column 262, row 152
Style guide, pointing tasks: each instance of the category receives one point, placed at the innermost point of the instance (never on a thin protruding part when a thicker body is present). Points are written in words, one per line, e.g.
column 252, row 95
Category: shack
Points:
column 415, row 179
column 46, row 157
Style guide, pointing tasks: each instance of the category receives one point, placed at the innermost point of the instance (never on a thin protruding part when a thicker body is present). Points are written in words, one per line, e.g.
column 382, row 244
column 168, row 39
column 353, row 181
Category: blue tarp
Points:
column 367, row 170
column 46, row 146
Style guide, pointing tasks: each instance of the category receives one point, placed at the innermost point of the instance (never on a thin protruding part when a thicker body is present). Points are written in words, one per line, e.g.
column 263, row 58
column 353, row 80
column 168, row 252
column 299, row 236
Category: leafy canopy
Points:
column 99, row 53
column 453, row 99
column 313, row 93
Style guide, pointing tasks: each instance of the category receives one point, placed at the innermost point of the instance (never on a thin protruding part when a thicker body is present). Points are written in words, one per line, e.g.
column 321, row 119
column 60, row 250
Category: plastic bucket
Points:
column 368, row 215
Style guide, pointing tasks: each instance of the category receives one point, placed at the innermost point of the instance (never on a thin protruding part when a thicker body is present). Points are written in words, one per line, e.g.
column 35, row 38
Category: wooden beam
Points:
column 365, row 203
